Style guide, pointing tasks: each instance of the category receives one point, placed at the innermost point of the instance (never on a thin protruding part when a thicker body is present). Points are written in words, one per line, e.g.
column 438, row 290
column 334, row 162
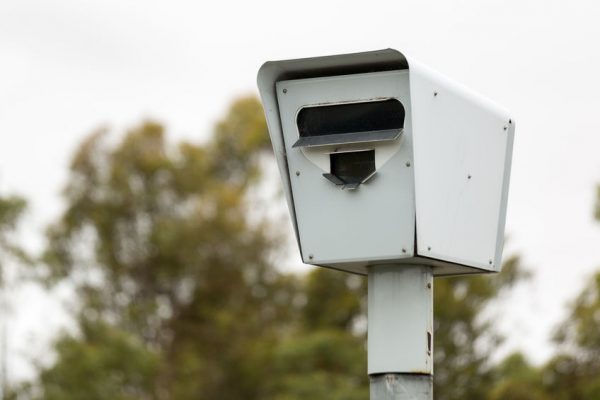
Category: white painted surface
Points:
column 400, row 318
column 374, row 222
column 462, row 148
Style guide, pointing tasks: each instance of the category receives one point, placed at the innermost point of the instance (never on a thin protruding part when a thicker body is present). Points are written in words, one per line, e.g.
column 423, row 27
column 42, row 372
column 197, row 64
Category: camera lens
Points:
column 353, row 168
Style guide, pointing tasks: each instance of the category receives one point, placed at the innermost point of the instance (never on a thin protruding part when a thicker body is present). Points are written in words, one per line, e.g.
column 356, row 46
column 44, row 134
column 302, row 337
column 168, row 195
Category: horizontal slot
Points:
column 350, row 123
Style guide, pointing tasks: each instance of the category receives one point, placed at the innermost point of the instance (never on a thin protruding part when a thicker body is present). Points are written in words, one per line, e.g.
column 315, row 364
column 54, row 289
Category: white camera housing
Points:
column 384, row 161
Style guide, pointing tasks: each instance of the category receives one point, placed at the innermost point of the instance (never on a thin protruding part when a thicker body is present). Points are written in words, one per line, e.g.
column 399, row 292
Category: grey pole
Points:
column 400, row 332
column 401, row 387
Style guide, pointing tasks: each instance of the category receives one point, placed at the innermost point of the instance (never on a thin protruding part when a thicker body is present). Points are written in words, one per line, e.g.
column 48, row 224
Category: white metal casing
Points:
column 452, row 199
column 339, row 227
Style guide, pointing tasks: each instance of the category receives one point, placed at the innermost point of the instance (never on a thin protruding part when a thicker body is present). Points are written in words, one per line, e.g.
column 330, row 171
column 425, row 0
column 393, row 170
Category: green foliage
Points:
column 574, row 373
column 11, row 212
column 157, row 240
column 583, row 327
column 463, row 341
column 333, row 300
column 178, row 297
column 321, row 365
column 517, row 380
column 325, row 358
column 516, row 390
column 102, row 363
column 11, row 209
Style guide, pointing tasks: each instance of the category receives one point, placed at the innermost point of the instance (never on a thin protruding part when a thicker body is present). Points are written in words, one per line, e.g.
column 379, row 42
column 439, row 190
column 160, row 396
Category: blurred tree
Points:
column 178, row 297
column 331, row 319
column 463, row 340
column 325, row 358
column 517, row 380
column 574, row 372
column 102, row 363
column 11, row 211
column 167, row 262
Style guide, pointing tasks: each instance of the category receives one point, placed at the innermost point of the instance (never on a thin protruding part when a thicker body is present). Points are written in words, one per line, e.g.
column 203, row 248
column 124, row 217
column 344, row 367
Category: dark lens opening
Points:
column 353, row 167
column 351, row 118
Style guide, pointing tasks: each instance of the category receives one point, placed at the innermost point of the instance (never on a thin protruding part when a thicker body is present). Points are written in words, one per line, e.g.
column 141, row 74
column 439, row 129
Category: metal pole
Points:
column 400, row 332
column 401, row 387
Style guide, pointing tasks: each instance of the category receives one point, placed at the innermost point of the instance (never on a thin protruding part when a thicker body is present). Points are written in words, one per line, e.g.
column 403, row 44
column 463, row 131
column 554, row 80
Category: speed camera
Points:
column 384, row 161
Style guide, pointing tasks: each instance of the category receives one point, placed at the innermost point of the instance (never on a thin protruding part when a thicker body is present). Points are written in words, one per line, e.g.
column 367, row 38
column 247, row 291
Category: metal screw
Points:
column 491, row 262
column 429, row 248
column 428, row 285
column 284, row 90
column 404, row 250
column 408, row 163
column 297, row 173
column 505, row 127
column 469, row 176
column 435, row 93
column 310, row 256
column 510, row 121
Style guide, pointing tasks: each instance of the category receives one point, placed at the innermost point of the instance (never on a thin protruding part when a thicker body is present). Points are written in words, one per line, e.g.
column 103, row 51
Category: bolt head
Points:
column 284, row 90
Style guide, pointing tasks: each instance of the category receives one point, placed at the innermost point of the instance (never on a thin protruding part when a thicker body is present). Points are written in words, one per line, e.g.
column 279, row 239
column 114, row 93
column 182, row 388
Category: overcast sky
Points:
column 70, row 66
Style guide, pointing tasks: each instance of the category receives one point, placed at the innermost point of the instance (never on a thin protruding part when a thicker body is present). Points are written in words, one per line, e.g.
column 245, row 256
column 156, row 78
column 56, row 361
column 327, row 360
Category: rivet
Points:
column 510, row 121
column 408, row 163
column 310, row 256
column 490, row 262
column 435, row 93
column 297, row 173
column 429, row 248
column 505, row 127
column 284, row 90
column 469, row 176
column 428, row 285
column 404, row 250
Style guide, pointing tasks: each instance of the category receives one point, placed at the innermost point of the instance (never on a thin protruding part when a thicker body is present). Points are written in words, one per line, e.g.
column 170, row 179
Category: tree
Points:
column 102, row 363
column 325, row 357
column 158, row 241
column 463, row 341
column 11, row 211
column 178, row 295
column 574, row 372
column 516, row 379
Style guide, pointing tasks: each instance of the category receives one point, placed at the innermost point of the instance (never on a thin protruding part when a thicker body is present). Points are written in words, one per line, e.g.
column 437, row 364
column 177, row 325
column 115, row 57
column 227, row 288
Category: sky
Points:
column 68, row 67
